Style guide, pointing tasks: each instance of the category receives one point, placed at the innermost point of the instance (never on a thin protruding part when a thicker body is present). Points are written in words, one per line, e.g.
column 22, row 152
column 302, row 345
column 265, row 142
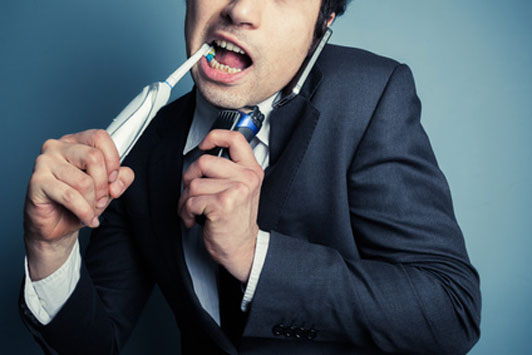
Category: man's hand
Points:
column 227, row 193
column 73, row 181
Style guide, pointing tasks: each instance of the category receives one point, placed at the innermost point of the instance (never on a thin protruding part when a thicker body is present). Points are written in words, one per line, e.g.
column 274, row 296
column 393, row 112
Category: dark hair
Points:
column 327, row 8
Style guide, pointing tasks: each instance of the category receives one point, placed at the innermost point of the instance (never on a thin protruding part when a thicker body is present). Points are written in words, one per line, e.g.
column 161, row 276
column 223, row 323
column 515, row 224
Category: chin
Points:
column 224, row 98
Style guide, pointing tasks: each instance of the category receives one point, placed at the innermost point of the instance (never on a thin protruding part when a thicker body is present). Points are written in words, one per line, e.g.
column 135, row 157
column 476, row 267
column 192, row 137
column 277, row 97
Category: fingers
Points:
column 92, row 161
column 197, row 188
column 82, row 162
column 212, row 186
column 92, row 151
column 192, row 207
column 74, row 190
column 101, row 140
column 125, row 177
column 70, row 198
column 78, row 180
column 210, row 166
column 214, row 206
column 239, row 148
column 220, row 168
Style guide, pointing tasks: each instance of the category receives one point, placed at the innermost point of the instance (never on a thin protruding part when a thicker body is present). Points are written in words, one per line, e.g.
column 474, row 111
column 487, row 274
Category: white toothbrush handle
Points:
column 129, row 125
column 185, row 67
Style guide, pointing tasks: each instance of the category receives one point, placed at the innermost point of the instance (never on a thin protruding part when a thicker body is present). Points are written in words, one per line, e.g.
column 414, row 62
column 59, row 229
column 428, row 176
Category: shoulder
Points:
column 353, row 84
column 357, row 77
column 354, row 67
column 352, row 61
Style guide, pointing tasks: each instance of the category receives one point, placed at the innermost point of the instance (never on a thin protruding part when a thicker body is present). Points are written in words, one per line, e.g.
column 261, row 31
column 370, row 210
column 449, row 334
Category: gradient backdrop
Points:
column 71, row 65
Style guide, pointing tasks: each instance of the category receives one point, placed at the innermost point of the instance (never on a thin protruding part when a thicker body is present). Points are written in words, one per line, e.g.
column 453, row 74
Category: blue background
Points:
column 66, row 66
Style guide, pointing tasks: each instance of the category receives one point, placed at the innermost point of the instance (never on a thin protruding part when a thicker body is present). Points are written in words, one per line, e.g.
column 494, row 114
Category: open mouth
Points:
column 229, row 57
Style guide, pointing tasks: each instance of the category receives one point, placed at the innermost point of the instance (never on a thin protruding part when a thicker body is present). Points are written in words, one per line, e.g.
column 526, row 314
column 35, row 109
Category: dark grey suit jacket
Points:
column 365, row 254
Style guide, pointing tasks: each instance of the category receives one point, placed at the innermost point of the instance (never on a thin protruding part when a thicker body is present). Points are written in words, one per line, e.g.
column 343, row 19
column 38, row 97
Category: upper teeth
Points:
column 229, row 46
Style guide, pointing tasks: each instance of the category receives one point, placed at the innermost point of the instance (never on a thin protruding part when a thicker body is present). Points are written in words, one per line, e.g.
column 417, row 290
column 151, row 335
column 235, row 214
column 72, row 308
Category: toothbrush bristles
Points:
column 210, row 55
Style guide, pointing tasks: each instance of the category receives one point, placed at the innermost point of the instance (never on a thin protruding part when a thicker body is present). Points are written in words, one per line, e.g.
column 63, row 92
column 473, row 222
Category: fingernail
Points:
column 113, row 176
column 95, row 223
column 118, row 187
column 101, row 202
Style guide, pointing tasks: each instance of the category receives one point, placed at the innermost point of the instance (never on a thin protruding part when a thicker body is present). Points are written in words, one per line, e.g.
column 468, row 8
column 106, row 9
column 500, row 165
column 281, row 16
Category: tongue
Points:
column 232, row 59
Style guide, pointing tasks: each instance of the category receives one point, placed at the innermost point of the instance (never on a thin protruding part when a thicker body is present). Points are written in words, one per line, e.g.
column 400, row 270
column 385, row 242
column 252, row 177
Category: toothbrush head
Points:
column 210, row 54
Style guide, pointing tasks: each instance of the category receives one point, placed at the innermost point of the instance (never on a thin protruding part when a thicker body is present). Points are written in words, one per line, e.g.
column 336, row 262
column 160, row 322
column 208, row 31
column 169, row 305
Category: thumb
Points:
column 123, row 180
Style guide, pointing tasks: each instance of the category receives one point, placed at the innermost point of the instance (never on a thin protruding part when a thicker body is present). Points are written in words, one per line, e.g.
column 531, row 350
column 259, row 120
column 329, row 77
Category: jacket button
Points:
column 289, row 332
column 278, row 330
column 311, row 334
column 299, row 333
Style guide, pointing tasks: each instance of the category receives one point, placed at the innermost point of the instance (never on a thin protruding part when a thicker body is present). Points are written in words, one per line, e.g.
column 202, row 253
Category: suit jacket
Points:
column 365, row 254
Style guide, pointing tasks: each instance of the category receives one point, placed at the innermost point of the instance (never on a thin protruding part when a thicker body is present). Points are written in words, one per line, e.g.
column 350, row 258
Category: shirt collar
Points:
column 205, row 115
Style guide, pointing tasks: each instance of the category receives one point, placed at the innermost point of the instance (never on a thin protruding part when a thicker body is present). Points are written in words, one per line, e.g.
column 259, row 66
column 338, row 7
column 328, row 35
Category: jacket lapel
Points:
column 292, row 126
column 165, row 171
column 164, row 180
column 291, row 129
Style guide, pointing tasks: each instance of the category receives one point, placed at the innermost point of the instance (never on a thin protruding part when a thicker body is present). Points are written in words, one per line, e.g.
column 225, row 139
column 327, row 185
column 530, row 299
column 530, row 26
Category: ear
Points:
column 331, row 18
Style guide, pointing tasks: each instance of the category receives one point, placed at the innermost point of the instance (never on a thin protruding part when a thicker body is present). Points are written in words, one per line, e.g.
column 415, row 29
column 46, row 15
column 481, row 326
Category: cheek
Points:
column 293, row 51
column 192, row 18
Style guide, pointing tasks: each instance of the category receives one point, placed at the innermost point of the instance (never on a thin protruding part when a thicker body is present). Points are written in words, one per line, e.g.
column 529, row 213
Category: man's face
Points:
column 272, row 38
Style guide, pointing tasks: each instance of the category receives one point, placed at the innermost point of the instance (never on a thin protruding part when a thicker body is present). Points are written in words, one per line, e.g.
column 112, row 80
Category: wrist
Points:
column 45, row 257
column 244, row 260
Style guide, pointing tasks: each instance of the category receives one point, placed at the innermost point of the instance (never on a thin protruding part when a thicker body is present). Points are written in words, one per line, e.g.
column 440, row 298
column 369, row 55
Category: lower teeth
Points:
column 216, row 65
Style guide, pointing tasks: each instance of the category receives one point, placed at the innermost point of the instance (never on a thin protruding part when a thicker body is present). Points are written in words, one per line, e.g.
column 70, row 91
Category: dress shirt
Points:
column 201, row 267
column 45, row 297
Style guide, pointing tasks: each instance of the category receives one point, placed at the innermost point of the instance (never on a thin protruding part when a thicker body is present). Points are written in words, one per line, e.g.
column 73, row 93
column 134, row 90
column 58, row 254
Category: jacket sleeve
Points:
column 111, row 292
column 413, row 288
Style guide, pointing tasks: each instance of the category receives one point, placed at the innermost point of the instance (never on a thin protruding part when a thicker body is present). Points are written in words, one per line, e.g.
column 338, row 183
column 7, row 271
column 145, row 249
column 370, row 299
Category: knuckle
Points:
column 94, row 157
column 237, row 137
column 260, row 174
column 251, row 177
column 194, row 186
column 226, row 200
column 69, row 196
column 49, row 144
column 100, row 136
column 189, row 205
column 85, row 213
column 37, row 179
column 85, row 184
column 40, row 161
column 241, row 189
column 203, row 161
column 68, row 138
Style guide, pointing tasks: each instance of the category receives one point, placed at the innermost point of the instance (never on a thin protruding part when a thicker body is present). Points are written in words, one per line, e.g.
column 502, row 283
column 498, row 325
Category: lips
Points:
column 229, row 57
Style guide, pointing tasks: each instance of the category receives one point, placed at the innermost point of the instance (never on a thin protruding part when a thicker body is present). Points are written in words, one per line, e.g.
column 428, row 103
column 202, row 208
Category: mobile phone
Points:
column 294, row 86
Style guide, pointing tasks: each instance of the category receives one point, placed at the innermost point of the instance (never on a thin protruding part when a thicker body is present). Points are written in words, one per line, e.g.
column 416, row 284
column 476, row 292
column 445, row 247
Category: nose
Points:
column 247, row 13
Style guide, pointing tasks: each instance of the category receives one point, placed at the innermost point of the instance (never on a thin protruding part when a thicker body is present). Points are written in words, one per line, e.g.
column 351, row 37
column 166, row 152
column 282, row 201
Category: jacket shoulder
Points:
column 339, row 62
column 353, row 79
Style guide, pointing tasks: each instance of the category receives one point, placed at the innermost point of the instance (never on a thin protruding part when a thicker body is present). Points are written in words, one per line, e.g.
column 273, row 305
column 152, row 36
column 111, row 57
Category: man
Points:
column 333, row 234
